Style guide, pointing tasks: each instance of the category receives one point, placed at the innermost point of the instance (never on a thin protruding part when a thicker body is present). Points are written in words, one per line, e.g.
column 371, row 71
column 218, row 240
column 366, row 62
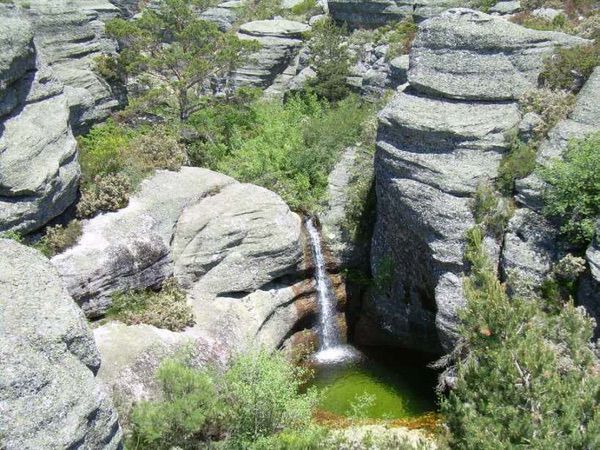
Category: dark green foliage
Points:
column 256, row 403
column 331, row 60
column 166, row 308
column 305, row 7
column 528, row 378
column 573, row 192
column 569, row 68
column 517, row 163
column 491, row 210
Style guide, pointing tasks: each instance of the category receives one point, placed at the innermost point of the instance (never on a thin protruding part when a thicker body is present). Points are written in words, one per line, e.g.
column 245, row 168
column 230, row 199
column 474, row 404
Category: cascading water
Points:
column 330, row 347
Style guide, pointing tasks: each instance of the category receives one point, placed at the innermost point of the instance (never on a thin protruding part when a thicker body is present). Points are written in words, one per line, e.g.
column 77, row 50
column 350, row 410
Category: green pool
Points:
column 397, row 384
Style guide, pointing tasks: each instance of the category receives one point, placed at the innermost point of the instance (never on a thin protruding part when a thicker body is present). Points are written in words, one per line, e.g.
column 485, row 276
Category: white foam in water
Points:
column 336, row 355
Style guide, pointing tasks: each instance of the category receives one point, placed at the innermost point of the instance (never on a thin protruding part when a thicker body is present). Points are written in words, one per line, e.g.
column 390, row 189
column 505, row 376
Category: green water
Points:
column 399, row 383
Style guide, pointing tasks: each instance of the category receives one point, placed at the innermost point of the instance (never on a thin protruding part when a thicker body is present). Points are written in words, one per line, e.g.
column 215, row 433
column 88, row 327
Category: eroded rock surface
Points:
column 437, row 140
column 49, row 396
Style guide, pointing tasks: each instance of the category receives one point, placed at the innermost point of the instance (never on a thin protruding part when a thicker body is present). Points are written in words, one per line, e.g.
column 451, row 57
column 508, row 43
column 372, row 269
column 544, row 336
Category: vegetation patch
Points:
column 573, row 192
column 58, row 238
column 166, row 308
column 551, row 106
column 491, row 210
column 525, row 376
column 569, row 68
column 517, row 163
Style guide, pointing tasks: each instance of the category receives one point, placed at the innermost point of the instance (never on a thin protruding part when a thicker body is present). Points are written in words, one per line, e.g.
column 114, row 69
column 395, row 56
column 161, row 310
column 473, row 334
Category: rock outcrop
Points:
column 130, row 248
column 437, row 140
column 49, row 396
column 280, row 42
column 38, row 167
column 373, row 13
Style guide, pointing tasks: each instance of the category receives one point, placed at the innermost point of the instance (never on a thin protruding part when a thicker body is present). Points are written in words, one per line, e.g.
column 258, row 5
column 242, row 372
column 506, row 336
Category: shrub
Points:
column 490, row 210
column 552, row 106
column 13, row 235
column 573, row 190
column 257, row 403
column 528, row 378
column 306, row 7
column 58, row 238
column 331, row 60
column 517, row 163
column 559, row 23
column 107, row 192
column 157, row 149
column 569, row 68
column 400, row 38
column 166, row 308
column 589, row 28
column 292, row 148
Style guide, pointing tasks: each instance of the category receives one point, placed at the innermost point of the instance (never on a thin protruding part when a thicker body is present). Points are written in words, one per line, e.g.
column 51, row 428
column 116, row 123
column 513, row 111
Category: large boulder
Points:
column 438, row 139
column 49, row 396
column 466, row 54
column 130, row 248
column 280, row 40
column 39, row 171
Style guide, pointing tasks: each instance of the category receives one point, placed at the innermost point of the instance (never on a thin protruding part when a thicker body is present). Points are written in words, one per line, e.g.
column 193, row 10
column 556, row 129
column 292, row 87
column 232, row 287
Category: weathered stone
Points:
column 49, row 397
column 528, row 124
column 374, row 13
column 228, row 244
column 548, row 14
column 584, row 120
column 223, row 17
column 506, row 7
column 130, row 248
column 466, row 54
column 399, row 70
column 280, row 41
column 530, row 248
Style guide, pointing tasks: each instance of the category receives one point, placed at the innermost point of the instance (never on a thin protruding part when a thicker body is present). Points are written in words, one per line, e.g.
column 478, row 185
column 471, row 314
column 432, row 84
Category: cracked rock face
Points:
column 49, row 396
column 437, row 140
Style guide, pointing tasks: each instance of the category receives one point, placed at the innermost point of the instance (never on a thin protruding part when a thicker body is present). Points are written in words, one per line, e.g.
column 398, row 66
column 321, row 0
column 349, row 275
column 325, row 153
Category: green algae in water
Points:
column 401, row 386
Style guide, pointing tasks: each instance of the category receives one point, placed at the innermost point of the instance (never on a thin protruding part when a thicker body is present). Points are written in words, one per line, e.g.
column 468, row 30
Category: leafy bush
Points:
column 293, row 147
column 330, row 59
column 569, row 68
column 166, row 308
column 559, row 23
column 58, row 238
column 256, row 403
column 107, row 192
column 306, row 7
column 157, row 149
column 573, row 192
column 552, row 106
column 260, row 10
column 400, row 38
column 527, row 378
column 517, row 163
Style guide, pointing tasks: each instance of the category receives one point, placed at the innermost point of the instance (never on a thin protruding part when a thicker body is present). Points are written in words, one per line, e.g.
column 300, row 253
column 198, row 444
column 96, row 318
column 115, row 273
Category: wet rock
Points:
column 49, row 396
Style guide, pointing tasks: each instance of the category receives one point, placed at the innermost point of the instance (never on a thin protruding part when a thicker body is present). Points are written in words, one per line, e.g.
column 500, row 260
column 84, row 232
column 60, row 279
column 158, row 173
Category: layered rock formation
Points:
column 280, row 42
column 437, row 140
column 48, row 88
column 373, row 13
column 49, row 396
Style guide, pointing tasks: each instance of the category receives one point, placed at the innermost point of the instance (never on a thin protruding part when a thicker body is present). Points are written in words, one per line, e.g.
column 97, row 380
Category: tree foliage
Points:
column 573, row 192
column 529, row 377
column 187, row 54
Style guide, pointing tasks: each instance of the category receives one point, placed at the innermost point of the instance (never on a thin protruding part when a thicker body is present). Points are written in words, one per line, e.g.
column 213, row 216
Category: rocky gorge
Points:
column 237, row 248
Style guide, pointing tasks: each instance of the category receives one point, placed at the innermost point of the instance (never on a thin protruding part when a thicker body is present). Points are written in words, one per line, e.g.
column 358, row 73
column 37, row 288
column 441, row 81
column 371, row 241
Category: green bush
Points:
column 569, row 68
column 526, row 378
column 166, row 308
column 517, row 163
column 293, row 147
column 491, row 210
column 305, row 7
column 573, row 190
column 331, row 60
column 589, row 28
column 552, row 106
column 559, row 23
column 399, row 38
column 257, row 403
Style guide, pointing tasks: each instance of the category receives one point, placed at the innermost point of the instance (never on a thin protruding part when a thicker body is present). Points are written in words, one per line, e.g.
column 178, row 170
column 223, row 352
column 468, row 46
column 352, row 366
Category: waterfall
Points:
column 330, row 347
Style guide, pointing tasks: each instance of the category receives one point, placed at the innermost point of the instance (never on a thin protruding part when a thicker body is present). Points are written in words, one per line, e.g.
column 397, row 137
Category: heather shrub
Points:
column 569, row 68
column 589, row 27
column 552, row 106
column 106, row 192
column 517, row 163
column 491, row 210
column 58, row 238
column 166, row 308
column 157, row 149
